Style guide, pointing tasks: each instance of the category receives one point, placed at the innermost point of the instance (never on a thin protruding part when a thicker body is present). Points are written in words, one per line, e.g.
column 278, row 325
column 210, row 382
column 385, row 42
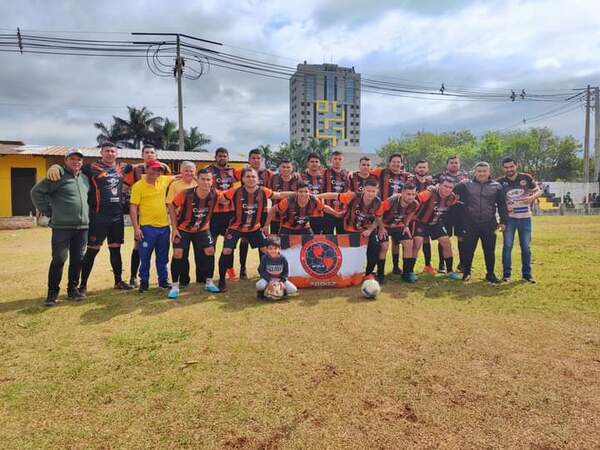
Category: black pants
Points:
column 487, row 234
column 66, row 242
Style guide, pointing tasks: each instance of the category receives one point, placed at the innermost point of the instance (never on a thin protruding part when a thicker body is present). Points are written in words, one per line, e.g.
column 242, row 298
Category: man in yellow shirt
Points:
column 148, row 212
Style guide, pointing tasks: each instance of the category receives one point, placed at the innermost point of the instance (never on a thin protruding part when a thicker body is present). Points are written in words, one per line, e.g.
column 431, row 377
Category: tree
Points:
column 298, row 153
column 194, row 140
column 268, row 155
column 139, row 127
column 111, row 133
column 165, row 136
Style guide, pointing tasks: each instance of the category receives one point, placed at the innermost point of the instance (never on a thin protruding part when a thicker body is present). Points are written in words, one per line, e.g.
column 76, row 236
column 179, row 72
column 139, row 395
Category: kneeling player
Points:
column 435, row 205
column 191, row 212
column 274, row 267
column 398, row 214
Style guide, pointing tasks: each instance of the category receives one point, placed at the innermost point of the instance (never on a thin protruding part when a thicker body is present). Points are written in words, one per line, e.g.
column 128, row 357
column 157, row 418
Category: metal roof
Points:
column 125, row 153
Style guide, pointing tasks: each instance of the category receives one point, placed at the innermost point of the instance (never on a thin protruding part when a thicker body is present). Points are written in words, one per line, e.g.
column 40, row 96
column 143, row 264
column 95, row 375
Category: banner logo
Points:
column 320, row 259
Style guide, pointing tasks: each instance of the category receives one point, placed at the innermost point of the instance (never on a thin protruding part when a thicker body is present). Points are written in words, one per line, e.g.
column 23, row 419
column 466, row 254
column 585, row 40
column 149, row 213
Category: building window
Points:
column 349, row 90
column 309, row 88
column 330, row 88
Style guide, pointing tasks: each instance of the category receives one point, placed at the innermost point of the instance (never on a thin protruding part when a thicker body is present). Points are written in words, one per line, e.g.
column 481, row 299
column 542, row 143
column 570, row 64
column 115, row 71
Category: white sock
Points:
column 175, row 286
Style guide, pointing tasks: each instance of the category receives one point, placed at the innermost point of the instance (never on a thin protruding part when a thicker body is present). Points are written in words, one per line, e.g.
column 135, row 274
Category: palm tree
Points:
column 165, row 136
column 112, row 134
column 140, row 127
column 195, row 140
column 269, row 155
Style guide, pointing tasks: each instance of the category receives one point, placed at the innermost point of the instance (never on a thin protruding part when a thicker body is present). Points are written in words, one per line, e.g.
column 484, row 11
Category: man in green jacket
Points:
column 66, row 203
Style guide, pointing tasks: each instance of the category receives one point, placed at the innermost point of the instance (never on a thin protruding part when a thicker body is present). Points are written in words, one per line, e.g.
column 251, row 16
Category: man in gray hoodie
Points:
column 66, row 203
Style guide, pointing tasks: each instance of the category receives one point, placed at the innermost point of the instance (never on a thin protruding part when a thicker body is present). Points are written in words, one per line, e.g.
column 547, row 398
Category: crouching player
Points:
column 398, row 215
column 274, row 267
column 436, row 206
column 190, row 213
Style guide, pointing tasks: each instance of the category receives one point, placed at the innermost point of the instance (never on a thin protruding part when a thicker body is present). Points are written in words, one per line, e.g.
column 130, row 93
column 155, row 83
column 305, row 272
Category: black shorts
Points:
column 306, row 231
column 256, row 239
column 111, row 229
column 398, row 235
column 275, row 227
column 316, row 223
column 263, row 219
column 434, row 231
column 333, row 224
column 201, row 239
column 219, row 222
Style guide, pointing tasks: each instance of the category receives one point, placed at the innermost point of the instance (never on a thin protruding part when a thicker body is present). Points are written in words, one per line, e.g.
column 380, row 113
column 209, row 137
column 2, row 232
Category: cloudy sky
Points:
column 536, row 45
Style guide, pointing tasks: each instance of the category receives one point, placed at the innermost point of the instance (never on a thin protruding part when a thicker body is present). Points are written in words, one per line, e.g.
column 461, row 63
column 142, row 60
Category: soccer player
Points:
column 362, row 215
column 520, row 191
column 129, row 179
column 454, row 172
column 481, row 198
column 296, row 211
column 398, row 214
column 273, row 266
column 148, row 212
column 191, row 211
column 314, row 177
column 106, row 211
column 435, row 209
column 285, row 180
column 391, row 179
column 359, row 178
column 249, row 203
column 335, row 179
column 223, row 178
column 66, row 203
column 422, row 181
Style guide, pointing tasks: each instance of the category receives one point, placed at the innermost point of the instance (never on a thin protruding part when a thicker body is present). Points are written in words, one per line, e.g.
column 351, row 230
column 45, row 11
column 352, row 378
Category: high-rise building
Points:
column 325, row 104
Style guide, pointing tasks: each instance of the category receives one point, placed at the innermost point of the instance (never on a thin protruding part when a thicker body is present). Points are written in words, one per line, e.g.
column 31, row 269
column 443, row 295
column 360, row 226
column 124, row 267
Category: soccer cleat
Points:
column 466, row 277
column 429, row 269
column 505, row 279
column 74, row 294
column 492, row 279
column 529, row 280
column 133, row 282
column 82, row 289
column 243, row 274
column 454, row 276
column 121, row 285
column 51, row 298
column 173, row 293
column 441, row 267
column 143, row 286
column 210, row 287
column 231, row 274
column 381, row 279
column 222, row 286
column 397, row 271
column 413, row 276
column 406, row 277
column 164, row 284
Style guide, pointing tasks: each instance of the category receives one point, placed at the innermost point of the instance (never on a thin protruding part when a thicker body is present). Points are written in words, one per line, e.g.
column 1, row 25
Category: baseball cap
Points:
column 153, row 164
column 73, row 151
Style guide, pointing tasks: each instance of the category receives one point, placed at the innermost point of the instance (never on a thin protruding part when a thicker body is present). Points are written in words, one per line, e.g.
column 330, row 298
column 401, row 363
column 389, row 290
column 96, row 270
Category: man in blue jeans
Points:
column 520, row 191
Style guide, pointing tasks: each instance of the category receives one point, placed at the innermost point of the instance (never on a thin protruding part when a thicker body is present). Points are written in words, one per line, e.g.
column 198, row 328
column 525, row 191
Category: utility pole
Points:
column 178, row 74
column 586, row 142
column 597, row 133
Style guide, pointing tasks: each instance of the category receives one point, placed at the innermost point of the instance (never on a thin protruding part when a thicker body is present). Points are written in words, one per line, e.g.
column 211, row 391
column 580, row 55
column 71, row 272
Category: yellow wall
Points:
column 18, row 161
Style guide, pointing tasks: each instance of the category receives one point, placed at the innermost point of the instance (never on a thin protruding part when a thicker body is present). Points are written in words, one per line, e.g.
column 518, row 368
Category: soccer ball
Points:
column 275, row 290
column 370, row 288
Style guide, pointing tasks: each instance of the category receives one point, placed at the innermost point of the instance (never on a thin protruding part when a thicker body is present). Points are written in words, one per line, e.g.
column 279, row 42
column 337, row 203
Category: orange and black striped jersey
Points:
column 135, row 174
column 296, row 217
column 264, row 175
column 396, row 215
column 357, row 181
column 278, row 184
column 335, row 181
column 422, row 183
column 248, row 207
column 359, row 216
column 390, row 183
column 223, row 179
column 106, row 187
column 457, row 177
column 315, row 181
column 194, row 213
column 433, row 208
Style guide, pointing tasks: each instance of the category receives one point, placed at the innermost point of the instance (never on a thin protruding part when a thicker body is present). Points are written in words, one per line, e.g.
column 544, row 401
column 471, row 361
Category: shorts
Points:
column 201, row 239
column 333, row 223
column 219, row 222
column 306, row 231
column 256, row 239
column 398, row 235
column 434, row 231
column 316, row 223
column 275, row 227
column 263, row 219
column 113, row 230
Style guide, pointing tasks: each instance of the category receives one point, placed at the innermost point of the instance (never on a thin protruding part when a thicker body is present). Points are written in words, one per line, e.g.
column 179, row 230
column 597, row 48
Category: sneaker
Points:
column 173, row 293
column 442, row 268
column 82, row 290
column 243, row 274
column 429, row 269
column 466, row 277
column 454, row 276
column 397, row 271
column 133, row 282
column 413, row 276
column 210, row 287
column 74, row 294
column 529, row 280
column 231, row 274
column 381, row 279
column 143, row 286
column 164, row 284
column 123, row 286
column 222, row 286
column 505, row 279
column 406, row 277
column 492, row 279
column 51, row 298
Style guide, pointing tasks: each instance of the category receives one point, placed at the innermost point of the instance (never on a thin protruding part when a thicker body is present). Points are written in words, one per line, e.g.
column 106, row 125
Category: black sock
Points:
column 441, row 255
column 395, row 260
column 88, row 263
column 225, row 262
column 135, row 263
column 116, row 263
column 411, row 264
column 380, row 267
column 427, row 253
column 405, row 264
column 449, row 263
column 243, row 255
column 371, row 263
column 461, row 251
column 209, row 266
column 175, row 269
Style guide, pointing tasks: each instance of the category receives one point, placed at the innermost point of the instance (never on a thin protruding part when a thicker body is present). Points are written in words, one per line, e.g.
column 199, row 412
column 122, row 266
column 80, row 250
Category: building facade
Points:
column 325, row 104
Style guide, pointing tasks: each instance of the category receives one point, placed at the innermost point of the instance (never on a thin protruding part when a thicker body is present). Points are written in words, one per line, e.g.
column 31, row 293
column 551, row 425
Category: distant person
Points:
column 568, row 201
column 66, row 203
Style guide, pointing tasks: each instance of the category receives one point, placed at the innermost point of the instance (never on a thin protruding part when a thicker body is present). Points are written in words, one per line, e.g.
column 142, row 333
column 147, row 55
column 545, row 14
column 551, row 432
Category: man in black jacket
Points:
column 481, row 198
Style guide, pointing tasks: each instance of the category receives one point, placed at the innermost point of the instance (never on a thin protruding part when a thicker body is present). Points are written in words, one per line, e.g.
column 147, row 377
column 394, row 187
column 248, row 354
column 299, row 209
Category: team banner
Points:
column 325, row 260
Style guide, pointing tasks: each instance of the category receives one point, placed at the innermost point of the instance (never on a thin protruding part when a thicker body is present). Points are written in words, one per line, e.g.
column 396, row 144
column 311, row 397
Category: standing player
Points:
column 359, row 178
column 223, row 178
column 106, row 211
column 285, row 180
column 190, row 212
column 249, row 203
column 314, row 177
column 398, row 214
column 520, row 191
column 362, row 215
column 335, row 179
column 422, row 181
column 434, row 211
column 454, row 173
column 391, row 179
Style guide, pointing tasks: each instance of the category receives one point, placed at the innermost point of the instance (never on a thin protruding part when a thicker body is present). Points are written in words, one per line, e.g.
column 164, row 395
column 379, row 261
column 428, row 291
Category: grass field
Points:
column 436, row 365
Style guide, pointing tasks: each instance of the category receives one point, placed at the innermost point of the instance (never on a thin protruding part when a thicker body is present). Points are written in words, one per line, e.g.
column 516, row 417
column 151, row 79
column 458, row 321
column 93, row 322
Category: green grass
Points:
column 437, row 364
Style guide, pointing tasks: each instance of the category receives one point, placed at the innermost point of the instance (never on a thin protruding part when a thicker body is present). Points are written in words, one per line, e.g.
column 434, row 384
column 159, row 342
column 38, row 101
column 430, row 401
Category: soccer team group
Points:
column 391, row 207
